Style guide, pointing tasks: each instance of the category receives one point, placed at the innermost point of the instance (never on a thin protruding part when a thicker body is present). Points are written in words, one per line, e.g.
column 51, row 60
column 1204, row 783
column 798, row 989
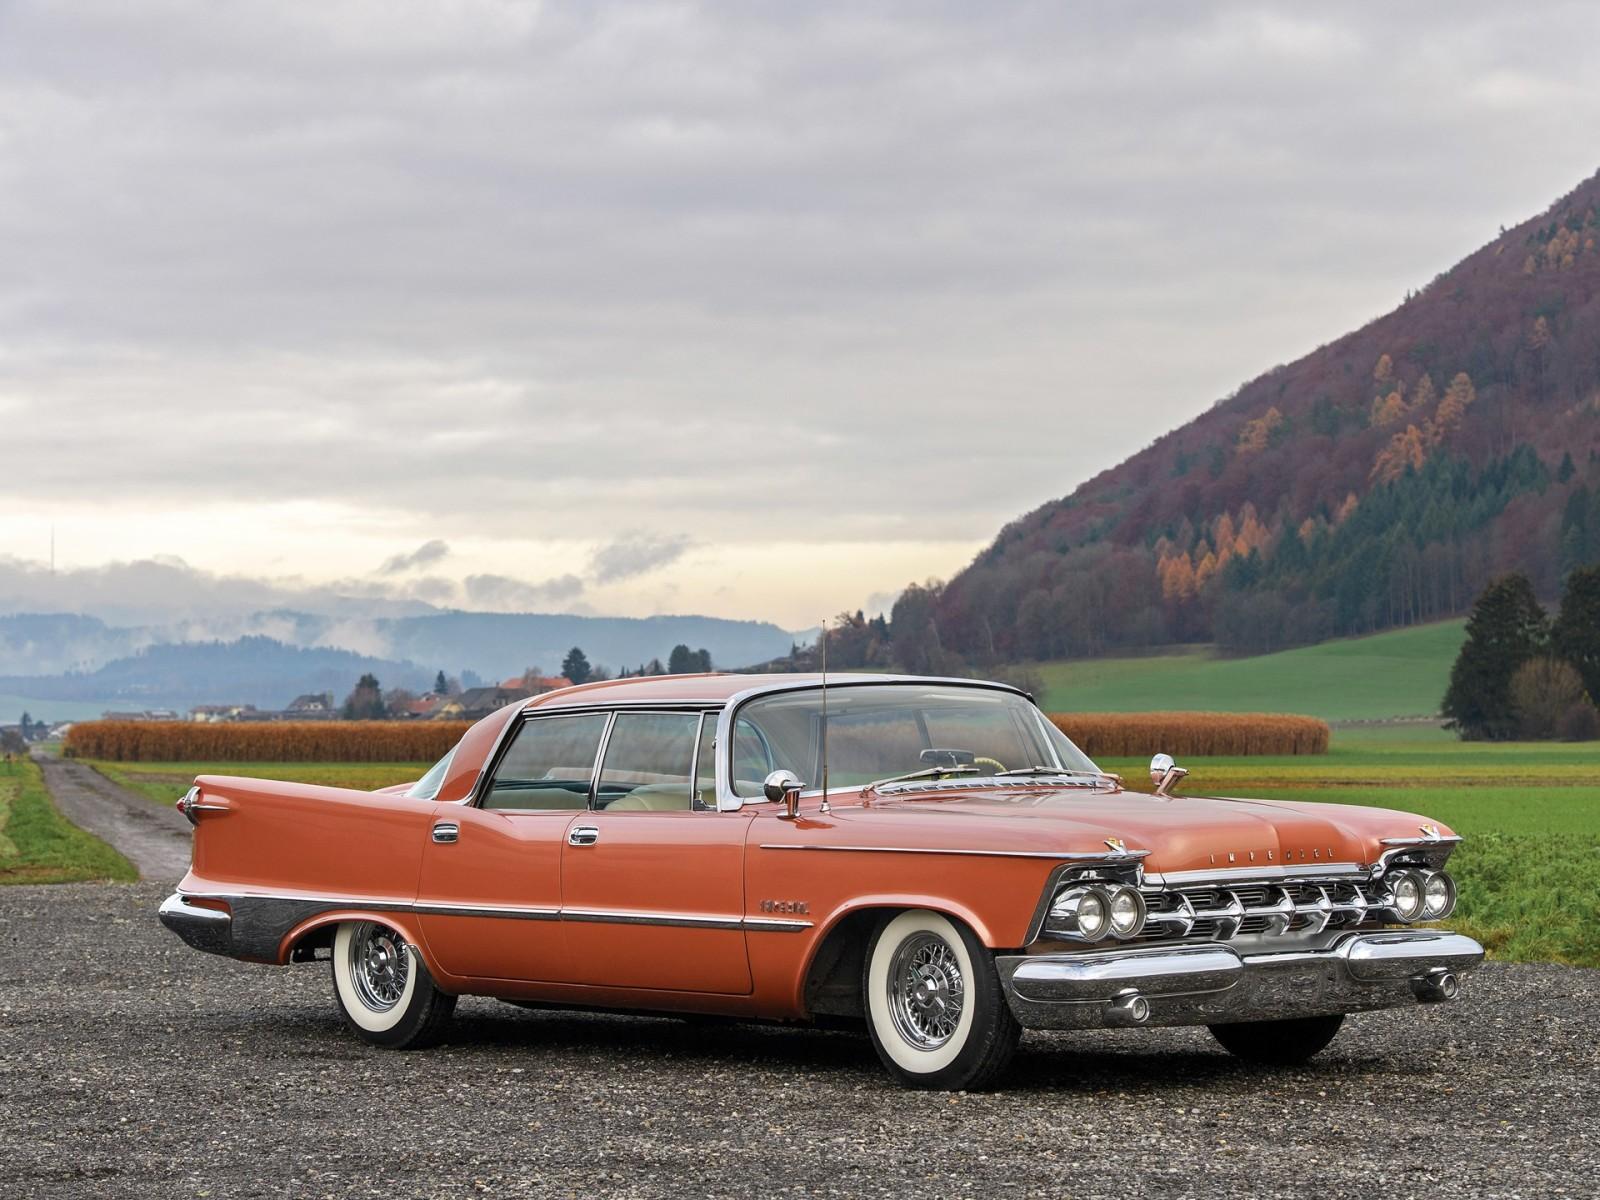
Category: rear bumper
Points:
column 205, row 929
column 1213, row 984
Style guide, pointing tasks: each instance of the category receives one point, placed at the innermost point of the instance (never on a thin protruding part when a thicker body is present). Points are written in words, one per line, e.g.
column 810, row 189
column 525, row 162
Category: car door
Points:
column 490, row 894
column 653, row 878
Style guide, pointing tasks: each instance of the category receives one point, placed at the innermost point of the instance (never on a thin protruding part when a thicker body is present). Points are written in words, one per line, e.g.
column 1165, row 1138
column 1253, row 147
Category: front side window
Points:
column 878, row 731
column 649, row 760
column 548, row 765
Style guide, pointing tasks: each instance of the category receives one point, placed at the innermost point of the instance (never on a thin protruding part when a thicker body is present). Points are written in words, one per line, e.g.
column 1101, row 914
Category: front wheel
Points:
column 1278, row 1043
column 385, row 993
column 934, row 1004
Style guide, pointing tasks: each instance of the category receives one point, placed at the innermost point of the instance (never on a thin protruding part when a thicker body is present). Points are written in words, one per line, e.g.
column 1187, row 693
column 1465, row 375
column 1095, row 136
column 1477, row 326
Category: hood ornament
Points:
column 1118, row 846
column 1431, row 832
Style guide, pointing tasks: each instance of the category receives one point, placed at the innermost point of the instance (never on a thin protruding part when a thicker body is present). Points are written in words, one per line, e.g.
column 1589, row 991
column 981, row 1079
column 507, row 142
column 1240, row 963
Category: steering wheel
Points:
column 984, row 758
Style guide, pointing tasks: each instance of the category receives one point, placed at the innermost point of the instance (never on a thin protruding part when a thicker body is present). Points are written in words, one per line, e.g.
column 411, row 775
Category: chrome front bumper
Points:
column 1213, row 984
column 203, row 928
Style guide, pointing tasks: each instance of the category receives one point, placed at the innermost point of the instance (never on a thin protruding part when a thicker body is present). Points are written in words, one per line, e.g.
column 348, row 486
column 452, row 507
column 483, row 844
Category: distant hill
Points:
column 252, row 670
column 1378, row 481
column 269, row 658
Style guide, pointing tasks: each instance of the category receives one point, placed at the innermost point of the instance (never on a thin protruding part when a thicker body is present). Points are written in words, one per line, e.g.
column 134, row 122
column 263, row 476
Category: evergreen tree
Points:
column 1575, row 635
column 441, row 685
column 680, row 661
column 1506, row 629
column 575, row 666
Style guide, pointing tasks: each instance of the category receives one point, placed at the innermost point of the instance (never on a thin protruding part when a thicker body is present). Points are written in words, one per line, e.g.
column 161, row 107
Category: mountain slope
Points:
column 1378, row 481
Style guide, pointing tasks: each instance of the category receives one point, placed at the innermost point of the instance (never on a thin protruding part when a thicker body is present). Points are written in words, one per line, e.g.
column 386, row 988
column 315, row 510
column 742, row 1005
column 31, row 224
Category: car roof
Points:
column 713, row 689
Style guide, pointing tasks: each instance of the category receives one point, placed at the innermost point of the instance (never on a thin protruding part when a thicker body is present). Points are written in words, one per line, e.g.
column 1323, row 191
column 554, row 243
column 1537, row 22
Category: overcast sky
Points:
column 755, row 310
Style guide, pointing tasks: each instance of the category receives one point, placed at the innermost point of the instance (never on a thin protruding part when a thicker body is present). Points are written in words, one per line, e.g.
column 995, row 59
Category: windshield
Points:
column 428, row 786
column 877, row 731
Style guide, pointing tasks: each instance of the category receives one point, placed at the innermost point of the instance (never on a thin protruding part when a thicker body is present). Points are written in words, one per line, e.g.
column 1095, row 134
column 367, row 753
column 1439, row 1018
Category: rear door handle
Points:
column 583, row 835
column 446, row 832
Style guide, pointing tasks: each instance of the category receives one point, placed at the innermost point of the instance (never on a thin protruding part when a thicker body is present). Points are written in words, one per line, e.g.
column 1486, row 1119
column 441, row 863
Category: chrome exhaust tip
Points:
column 1127, row 1009
column 1436, row 986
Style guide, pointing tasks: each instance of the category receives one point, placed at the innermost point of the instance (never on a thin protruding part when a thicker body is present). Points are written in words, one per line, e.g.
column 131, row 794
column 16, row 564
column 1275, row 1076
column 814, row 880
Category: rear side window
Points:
column 548, row 765
column 648, row 760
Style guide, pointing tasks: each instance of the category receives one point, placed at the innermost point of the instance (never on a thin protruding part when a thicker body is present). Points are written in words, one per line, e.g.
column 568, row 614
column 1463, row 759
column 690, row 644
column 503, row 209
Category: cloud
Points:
column 634, row 554
column 424, row 555
column 843, row 273
column 501, row 593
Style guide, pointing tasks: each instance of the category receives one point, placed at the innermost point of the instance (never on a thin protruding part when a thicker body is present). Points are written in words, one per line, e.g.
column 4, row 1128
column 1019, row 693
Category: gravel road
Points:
column 153, row 837
column 131, row 1065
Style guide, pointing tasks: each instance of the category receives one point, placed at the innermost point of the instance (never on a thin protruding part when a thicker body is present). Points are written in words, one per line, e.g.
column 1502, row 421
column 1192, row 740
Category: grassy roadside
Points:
column 164, row 782
column 39, row 845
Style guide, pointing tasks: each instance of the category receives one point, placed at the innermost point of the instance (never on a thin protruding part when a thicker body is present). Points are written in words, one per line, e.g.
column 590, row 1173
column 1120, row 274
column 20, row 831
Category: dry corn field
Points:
column 286, row 741
column 1127, row 735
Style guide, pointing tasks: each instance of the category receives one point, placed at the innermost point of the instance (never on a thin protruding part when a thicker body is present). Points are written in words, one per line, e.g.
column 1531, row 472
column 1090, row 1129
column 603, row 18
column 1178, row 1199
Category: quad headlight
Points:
column 1127, row 912
column 1406, row 887
column 1438, row 896
column 1092, row 912
column 1418, row 895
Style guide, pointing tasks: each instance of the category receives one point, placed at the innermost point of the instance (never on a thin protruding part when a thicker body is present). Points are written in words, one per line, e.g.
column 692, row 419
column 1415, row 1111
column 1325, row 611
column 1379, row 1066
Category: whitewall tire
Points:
column 934, row 1003
column 384, row 991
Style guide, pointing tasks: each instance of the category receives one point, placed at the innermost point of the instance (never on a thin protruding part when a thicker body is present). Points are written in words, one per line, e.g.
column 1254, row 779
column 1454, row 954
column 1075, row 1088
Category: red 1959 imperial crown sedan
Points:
column 930, row 857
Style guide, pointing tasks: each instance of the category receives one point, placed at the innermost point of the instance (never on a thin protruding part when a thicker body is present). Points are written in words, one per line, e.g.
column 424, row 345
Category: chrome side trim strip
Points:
column 373, row 902
column 775, row 925
column 445, row 908
column 619, row 917
column 1054, row 855
column 442, row 909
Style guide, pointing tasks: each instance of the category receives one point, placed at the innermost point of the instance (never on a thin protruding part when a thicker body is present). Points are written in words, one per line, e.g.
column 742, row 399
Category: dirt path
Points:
column 153, row 837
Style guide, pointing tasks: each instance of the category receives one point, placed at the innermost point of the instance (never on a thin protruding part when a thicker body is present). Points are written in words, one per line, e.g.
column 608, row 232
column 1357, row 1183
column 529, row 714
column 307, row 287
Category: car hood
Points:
column 1180, row 833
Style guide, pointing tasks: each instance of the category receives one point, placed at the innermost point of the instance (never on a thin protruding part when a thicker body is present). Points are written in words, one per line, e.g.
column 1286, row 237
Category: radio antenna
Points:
column 824, row 636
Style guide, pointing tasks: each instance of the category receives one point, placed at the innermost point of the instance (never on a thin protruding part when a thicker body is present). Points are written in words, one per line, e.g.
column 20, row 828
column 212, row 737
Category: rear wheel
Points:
column 385, row 993
column 1278, row 1043
column 937, row 1012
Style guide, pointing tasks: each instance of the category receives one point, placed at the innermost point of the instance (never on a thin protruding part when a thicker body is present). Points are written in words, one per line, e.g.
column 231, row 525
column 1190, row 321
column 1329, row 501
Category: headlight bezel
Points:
column 1077, row 898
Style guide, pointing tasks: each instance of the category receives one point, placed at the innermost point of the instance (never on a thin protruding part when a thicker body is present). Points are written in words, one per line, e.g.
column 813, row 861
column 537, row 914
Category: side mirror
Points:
column 783, row 787
column 1165, row 774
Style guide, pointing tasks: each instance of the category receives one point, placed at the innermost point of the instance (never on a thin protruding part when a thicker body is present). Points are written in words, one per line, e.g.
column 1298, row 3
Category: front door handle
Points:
column 446, row 832
column 583, row 835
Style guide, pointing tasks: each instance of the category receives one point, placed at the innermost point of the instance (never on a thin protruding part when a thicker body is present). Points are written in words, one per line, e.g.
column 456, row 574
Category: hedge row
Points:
column 1180, row 734
column 267, row 741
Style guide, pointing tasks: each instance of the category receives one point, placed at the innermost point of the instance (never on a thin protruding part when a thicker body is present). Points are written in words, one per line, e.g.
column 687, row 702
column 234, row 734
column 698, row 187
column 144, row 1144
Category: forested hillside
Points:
column 1378, row 481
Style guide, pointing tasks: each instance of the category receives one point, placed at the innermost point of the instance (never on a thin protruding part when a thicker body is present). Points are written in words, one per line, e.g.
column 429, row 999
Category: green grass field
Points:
column 1398, row 674
column 164, row 782
column 38, row 845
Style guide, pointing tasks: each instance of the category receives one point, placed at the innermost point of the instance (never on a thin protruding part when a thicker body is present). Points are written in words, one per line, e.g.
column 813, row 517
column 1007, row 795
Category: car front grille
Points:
column 1218, row 912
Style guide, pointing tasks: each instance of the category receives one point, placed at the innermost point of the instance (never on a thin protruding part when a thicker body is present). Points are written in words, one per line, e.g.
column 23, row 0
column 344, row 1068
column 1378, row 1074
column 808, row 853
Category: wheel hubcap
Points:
column 926, row 991
column 379, row 963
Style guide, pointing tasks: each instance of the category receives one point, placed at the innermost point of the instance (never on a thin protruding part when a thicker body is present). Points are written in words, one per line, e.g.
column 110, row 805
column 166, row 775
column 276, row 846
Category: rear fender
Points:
column 405, row 923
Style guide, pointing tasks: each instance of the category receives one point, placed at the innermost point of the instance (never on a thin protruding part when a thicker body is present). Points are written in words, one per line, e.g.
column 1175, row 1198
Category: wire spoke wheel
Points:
column 926, row 991
column 379, row 964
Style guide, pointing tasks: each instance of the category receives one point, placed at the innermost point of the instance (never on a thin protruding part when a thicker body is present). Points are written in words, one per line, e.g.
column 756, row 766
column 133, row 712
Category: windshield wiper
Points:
column 927, row 773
